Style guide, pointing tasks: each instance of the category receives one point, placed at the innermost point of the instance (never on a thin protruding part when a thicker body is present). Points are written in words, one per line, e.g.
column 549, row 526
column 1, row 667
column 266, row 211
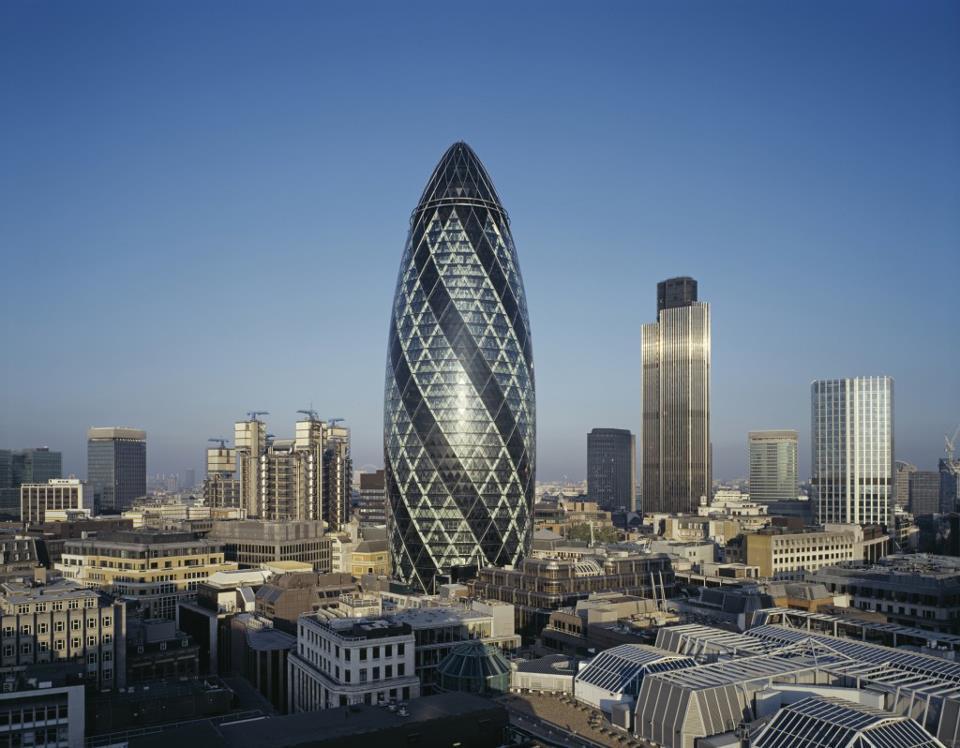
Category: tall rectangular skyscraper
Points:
column 852, row 449
column 676, row 400
column 773, row 465
column 612, row 468
column 116, row 466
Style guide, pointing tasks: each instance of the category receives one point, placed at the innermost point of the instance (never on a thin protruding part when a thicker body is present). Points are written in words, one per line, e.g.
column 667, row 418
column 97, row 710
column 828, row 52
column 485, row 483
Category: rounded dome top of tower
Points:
column 459, row 179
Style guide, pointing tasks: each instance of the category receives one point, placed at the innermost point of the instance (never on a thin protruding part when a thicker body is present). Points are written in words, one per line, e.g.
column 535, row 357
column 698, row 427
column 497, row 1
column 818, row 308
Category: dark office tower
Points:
column 116, row 467
column 371, row 505
column 459, row 411
column 337, row 476
column 36, row 466
column 612, row 468
column 924, row 493
column 676, row 400
column 949, row 484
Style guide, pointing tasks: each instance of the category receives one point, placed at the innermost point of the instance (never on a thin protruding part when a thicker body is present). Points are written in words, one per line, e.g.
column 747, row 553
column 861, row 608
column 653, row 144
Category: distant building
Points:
column 676, row 400
column 949, row 484
column 36, row 499
column 349, row 661
column 924, row 492
column 612, row 468
column 902, row 473
column 371, row 507
column 794, row 555
column 116, row 467
column 221, row 488
column 337, row 476
column 852, row 450
column 17, row 467
column 773, row 465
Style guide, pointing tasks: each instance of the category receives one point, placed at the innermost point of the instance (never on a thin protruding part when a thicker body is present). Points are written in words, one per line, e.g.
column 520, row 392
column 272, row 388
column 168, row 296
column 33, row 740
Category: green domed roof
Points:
column 474, row 667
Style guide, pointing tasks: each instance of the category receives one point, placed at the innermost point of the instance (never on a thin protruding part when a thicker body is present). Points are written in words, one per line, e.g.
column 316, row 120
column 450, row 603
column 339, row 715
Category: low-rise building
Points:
column 550, row 674
column 57, row 493
column 370, row 557
column 916, row 590
column 61, row 622
column 250, row 543
column 792, row 555
column 285, row 598
column 157, row 650
column 39, row 710
column 261, row 653
column 539, row 586
column 154, row 570
column 348, row 661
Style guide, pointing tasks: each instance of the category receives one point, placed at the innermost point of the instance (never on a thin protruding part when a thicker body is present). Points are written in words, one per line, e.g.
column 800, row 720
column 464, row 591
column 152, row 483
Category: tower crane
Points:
column 310, row 413
column 218, row 440
column 950, row 443
column 252, row 414
column 335, row 421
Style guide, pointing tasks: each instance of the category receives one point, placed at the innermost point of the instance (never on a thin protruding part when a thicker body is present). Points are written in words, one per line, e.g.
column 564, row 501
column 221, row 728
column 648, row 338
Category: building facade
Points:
column 61, row 622
column 337, row 475
column 17, row 467
column 116, row 467
column 612, row 468
column 371, row 506
column 949, row 484
column 154, row 570
column 902, row 472
column 252, row 543
column 924, row 492
column 349, row 661
column 57, row 493
column 773, row 465
column 852, row 450
column 676, row 400
column 459, row 403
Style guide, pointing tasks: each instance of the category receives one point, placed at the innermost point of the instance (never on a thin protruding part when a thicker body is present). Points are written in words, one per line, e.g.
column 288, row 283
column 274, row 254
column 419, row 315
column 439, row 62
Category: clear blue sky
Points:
column 203, row 206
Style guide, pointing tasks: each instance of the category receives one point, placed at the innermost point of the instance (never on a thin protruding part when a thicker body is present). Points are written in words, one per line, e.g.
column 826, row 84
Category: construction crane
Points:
column 950, row 443
column 310, row 413
column 335, row 421
column 222, row 442
column 252, row 414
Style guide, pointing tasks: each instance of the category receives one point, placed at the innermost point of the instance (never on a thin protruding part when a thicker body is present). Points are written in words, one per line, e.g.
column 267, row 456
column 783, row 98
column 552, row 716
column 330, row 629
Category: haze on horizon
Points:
column 204, row 208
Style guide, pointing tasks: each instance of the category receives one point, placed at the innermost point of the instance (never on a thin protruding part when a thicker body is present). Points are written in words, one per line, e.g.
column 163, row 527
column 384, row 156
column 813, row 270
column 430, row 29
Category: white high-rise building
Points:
column 773, row 465
column 852, row 450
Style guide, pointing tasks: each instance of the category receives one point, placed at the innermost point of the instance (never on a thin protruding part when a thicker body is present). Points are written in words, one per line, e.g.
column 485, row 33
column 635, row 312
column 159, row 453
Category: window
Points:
column 400, row 649
column 401, row 668
column 363, row 653
column 363, row 675
column 388, row 671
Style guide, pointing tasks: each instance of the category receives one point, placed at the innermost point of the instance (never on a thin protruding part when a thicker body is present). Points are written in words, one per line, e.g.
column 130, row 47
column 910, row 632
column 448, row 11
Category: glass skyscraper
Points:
column 773, row 465
column 612, row 468
column 459, row 404
column 116, row 467
column 852, row 450
column 676, row 401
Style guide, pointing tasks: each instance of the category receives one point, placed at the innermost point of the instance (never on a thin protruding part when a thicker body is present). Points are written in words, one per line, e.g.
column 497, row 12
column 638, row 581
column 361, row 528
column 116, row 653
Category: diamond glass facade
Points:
column 459, row 410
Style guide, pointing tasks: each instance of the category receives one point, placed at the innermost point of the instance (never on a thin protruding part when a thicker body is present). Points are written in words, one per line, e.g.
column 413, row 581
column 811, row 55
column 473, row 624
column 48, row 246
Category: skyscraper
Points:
column 116, row 467
column 949, row 484
column 773, row 465
column 459, row 403
column 35, row 465
column 337, row 475
column 612, row 468
column 676, row 400
column 852, row 449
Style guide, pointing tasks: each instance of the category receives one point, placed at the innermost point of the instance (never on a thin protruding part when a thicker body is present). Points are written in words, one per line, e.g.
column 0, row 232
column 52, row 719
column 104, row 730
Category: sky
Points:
column 203, row 207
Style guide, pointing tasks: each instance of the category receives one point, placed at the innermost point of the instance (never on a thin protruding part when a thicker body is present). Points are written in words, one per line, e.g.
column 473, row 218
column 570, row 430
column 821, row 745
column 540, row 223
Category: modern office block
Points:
column 371, row 506
column 949, row 484
column 773, row 465
column 852, row 450
column 676, row 401
column 924, row 492
column 612, row 468
column 36, row 465
column 459, row 411
column 902, row 473
column 36, row 499
column 116, row 466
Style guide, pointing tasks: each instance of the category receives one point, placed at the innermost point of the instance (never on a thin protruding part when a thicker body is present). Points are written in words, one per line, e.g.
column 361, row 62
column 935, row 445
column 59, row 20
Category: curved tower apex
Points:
column 459, row 179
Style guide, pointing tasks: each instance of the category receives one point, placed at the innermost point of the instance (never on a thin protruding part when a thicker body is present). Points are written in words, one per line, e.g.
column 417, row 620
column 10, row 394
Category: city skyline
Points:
column 821, row 168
